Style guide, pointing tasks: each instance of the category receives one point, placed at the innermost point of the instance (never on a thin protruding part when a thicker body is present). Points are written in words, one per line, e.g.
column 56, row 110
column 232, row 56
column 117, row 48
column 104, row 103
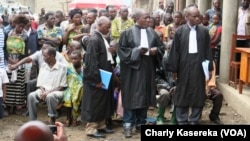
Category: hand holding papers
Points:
column 105, row 77
column 205, row 69
column 143, row 50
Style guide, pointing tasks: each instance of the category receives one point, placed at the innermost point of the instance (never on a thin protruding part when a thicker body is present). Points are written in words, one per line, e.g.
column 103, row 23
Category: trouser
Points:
column 217, row 97
column 163, row 101
column 31, row 86
column 1, row 107
column 183, row 117
column 52, row 99
column 92, row 127
column 135, row 117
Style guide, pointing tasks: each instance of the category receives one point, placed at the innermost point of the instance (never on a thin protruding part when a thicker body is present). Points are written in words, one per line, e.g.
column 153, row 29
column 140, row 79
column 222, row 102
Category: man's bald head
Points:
column 193, row 15
column 103, row 20
column 34, row 131
column 103, row 25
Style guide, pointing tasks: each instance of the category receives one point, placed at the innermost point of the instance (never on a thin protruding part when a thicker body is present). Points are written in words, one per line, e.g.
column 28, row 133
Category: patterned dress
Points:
column 77, row 31
column 73, row 94
column 16, row 49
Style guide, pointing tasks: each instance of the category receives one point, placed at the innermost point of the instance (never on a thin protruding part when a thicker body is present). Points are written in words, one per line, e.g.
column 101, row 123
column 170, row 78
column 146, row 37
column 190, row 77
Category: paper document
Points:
column 205, row 69
column 105, row 77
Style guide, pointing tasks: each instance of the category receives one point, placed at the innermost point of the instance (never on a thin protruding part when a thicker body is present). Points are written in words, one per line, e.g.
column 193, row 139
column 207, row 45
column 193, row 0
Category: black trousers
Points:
column 217, row 97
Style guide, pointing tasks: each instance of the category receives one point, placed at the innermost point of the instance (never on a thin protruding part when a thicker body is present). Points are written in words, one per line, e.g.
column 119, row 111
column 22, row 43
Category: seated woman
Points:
column 73, row 94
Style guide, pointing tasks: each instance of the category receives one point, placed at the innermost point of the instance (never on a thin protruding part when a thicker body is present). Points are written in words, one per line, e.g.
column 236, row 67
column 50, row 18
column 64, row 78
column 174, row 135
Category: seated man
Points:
column 38, row 58
column 51, row 83
column 164, row 83
column 214, row 94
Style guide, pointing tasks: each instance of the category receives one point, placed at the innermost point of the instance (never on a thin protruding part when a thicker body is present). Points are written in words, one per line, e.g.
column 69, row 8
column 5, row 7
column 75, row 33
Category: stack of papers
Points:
column 205, row 69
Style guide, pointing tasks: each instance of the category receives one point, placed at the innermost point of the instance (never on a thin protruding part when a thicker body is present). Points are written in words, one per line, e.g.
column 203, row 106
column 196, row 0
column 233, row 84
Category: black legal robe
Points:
column 138, row 71
column 190, row 90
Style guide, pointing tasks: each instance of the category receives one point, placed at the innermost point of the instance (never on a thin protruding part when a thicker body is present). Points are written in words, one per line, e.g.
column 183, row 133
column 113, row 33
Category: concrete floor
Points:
column 239, row 102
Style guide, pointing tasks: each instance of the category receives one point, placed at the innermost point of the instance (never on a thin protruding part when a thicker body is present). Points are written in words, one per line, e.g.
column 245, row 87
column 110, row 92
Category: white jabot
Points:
column 144, row 40
column 109, row 55
column 192, row 41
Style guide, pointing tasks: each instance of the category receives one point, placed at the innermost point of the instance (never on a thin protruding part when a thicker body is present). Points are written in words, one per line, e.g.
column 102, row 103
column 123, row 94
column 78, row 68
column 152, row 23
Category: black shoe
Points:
column 58, row 113
column 106, row 130
column 97, row 135
column 217, row 121
column 127, row 132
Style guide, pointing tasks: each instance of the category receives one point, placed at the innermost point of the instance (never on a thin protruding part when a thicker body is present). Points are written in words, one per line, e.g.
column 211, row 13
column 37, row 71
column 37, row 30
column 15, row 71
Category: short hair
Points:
column 51, row 51
column 51, row 44
column 75, row 11
column 21, row 19
column 93, row 10
column 101, row 11
column 34, row 131
column 217, row 14
column 138, row 12
column 48, row 14
column 59, row 12
column 109, row 6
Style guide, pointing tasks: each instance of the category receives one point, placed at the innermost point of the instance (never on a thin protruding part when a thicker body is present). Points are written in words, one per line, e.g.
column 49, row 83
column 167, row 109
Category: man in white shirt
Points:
column 51, row 83
column 38, row 57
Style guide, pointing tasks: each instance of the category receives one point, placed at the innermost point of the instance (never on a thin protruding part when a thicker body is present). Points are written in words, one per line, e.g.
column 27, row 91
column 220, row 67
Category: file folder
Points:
column 105, row 77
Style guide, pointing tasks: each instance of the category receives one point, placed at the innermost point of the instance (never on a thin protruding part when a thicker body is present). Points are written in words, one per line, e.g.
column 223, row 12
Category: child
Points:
column 205, row 20
column 215, row 30
column 3, row 80
column 175, row 25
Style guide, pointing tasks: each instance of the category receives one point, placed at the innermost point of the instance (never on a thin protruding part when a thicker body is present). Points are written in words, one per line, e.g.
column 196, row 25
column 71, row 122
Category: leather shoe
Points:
column 106, row 130
column 217, row 121
column 97, row 135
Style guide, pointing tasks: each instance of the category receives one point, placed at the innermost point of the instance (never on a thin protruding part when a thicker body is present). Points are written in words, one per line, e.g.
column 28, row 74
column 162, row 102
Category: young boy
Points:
column 3, row 80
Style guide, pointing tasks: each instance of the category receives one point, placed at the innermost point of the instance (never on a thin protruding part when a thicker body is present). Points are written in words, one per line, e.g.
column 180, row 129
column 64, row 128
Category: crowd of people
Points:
column 155, row 60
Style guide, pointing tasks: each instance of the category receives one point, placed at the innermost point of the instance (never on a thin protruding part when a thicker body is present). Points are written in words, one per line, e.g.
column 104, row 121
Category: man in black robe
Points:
column 97, row 104
column 140, row 50
column 191, row 46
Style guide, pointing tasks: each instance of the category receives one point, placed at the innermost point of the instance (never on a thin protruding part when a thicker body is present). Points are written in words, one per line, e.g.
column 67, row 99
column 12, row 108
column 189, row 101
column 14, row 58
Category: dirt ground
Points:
column 9, row 124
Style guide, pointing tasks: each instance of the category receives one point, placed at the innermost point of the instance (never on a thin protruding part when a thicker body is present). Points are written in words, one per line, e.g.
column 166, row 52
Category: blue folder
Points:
column 106, row 77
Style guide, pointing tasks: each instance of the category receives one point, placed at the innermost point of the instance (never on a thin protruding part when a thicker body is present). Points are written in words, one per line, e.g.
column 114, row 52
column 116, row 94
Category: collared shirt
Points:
column 51, row 78
column 44, row 31
column 241, row 28
column 28, row 31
